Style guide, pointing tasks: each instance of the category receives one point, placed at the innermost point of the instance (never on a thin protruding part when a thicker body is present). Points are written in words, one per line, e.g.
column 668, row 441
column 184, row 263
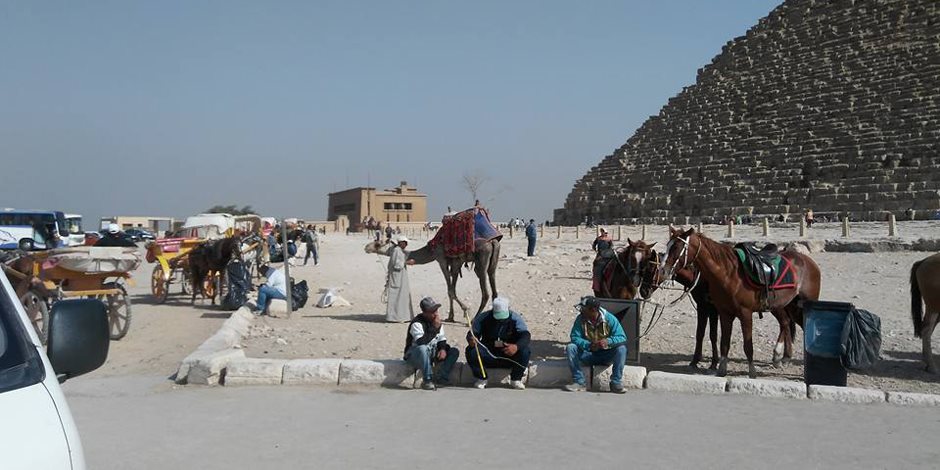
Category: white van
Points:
column 36, row 426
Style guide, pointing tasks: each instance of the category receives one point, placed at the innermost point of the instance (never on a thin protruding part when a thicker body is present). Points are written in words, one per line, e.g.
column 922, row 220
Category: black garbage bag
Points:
column 861, row 340
column 239, row 284
column 299, row 293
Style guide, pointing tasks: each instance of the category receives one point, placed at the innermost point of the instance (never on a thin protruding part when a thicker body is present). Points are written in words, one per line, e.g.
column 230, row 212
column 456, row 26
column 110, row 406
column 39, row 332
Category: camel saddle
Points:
column 762, row 266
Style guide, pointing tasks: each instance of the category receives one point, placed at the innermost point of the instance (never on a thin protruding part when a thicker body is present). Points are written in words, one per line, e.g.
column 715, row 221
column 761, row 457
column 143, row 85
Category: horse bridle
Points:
column 684, row 254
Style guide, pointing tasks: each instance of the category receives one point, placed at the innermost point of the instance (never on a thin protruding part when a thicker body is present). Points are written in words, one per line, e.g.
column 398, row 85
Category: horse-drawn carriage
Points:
column 42, row 278
column 172, row 255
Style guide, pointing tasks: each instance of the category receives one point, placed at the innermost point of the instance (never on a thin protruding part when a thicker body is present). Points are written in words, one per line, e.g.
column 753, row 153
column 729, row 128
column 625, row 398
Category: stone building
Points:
column 826, row 105
column 401, row 204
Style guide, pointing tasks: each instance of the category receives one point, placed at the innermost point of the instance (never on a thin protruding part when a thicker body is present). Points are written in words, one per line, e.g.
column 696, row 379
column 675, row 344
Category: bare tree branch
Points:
column 472, row 182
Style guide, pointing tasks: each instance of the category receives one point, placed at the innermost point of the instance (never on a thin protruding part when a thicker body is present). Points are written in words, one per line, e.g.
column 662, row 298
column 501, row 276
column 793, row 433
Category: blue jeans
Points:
column 265, row 294
column 422, row 358
column 578, row 356
column 312, row 251
column 531, row 248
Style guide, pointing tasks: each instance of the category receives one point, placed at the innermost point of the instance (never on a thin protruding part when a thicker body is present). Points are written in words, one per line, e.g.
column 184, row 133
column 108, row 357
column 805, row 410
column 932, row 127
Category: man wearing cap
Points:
column 426, row 344
column 501, row 338
column 399, row 308
column 114, row 237
column 530, row 234
column 596, row 339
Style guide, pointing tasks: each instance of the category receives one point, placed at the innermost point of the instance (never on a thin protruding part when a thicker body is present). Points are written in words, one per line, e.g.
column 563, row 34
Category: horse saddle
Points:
column 762, row 265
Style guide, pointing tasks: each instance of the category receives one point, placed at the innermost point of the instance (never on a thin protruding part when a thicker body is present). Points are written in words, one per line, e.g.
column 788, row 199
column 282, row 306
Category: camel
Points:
column 485, row 259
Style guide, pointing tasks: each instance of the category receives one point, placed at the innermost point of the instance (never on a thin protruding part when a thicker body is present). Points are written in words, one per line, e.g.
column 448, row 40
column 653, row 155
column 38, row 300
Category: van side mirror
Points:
column 78, row 337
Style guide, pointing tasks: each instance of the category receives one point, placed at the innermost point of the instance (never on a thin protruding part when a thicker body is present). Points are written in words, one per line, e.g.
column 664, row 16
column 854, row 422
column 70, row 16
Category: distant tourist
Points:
column 114, row 237
column 399, row 308
column 389, row 231
column 909, row 213
column 313, row 244
column 530, row 234
column 500, row 339
column 274, row 288
column 426, row 345
column 596, row 339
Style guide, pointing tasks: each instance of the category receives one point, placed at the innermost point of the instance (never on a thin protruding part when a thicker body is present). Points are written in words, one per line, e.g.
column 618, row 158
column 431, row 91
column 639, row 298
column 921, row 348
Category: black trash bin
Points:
column 822, row 342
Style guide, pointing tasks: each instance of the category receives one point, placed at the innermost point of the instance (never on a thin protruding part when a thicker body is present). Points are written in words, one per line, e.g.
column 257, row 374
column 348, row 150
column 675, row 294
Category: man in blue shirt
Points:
column 501, row 338
column 530, row 234
column 596, row 339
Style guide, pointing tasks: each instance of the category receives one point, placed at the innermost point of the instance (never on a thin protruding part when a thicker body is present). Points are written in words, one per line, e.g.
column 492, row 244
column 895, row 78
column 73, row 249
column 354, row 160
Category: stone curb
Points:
column 209, row 359
column 249, row 371
column 767, row 388
column 845, row 394
column 913, row 399
column 683, row 383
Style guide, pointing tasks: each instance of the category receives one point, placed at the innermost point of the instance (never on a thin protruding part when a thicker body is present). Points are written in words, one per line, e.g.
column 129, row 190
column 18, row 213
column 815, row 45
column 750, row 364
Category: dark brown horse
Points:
column 925, row 290
column 706, row 313
column 625, row 269
column 734, row 297
column 211, row 257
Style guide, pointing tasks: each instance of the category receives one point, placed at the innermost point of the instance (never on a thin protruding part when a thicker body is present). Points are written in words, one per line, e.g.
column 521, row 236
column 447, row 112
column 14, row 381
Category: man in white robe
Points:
column 400, row 308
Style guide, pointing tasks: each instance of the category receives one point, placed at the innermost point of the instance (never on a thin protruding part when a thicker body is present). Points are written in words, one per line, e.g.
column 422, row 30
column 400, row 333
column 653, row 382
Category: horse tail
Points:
column 917, row 307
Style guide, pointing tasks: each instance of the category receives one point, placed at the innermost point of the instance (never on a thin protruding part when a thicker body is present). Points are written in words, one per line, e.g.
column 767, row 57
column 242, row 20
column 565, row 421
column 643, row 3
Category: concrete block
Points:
column 552, row 374
column 312, row 372
column 913, row 399
column 684, row 383
column 277, row 308
column 845, row 394
column 767, row 388
column 633, row 377
column 250, row 371
column 207, row 369
column 389, row 373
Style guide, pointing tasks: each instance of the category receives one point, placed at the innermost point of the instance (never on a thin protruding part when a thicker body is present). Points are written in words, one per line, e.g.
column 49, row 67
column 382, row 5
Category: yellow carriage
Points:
column 44, row 277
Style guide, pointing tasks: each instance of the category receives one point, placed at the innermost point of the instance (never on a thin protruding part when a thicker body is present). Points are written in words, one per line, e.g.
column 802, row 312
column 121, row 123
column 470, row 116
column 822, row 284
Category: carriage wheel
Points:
column 159, row 285
column 187, row 284
column 38, row 313
column 119, row 310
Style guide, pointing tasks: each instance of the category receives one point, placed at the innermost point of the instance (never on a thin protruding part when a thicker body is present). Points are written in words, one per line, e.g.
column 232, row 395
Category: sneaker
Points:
column 442, row 382
column 575, row 387
column 517, row 384
column 480, row 384
column 617, row 388
column 428, row 385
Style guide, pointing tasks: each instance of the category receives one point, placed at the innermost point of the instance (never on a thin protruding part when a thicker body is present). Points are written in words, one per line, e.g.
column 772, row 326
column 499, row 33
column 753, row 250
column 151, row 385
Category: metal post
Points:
column 892, row 226
column 845, row 226
column 290, row 300
column 731, row 229
column 559, row 232
column 701, row 228
column 802, row 227
column 643, row 232
column 766, row 227
column 620, row 233
column 510, row 231
column 577, row 232
column 542, row 231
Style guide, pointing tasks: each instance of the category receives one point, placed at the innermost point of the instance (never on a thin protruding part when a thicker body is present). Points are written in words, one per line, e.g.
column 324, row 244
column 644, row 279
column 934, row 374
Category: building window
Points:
column 407, row 206
column 388, row 206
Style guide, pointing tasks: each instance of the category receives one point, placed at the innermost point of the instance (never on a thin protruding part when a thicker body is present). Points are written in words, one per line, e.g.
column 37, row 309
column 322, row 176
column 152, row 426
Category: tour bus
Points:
column 31, row 229
column 76, row 234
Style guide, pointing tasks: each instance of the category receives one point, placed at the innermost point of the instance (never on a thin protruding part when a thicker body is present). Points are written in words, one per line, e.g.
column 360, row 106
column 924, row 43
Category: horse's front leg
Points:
column 747, row 332
column 727, row 324
column 713, row 335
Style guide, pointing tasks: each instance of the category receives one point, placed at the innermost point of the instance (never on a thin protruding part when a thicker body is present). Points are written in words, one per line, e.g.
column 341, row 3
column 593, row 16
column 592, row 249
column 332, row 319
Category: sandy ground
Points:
column 545, row 288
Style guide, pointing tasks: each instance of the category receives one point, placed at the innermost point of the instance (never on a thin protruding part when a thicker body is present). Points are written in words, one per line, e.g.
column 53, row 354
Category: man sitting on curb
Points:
column 503, row 343
column 275, row 288
column 596, row 339
column 425, row 344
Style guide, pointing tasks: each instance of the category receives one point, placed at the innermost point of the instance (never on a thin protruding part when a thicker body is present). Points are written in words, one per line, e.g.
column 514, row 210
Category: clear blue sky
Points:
column 169, row 107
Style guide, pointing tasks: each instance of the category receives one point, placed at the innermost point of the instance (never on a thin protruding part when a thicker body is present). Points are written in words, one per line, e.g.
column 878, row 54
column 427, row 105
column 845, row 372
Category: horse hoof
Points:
column 693, row 365
column 777, row 364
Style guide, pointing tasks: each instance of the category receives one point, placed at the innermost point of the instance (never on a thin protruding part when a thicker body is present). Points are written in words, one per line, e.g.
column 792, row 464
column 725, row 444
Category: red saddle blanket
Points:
column 460, row 231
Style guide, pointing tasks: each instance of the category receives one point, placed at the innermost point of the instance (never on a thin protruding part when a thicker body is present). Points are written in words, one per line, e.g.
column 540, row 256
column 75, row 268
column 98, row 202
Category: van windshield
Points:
column 20, row 365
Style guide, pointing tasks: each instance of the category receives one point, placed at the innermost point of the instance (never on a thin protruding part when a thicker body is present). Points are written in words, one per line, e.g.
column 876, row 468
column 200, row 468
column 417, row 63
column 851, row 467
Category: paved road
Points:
column 145, row 422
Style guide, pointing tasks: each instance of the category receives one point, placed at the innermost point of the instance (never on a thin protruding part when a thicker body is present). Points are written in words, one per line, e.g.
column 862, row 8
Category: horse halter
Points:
column 684, row 255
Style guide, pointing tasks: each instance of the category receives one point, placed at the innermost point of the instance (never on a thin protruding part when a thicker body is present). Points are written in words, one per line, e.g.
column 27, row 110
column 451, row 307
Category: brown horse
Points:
column 626, row 271
column 706, row 313
column 925, row 289
column 735, row 298
column 209, row 257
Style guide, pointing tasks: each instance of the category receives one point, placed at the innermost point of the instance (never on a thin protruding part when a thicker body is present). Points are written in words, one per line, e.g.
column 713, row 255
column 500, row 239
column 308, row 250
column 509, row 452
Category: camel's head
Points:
column 376, row 247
